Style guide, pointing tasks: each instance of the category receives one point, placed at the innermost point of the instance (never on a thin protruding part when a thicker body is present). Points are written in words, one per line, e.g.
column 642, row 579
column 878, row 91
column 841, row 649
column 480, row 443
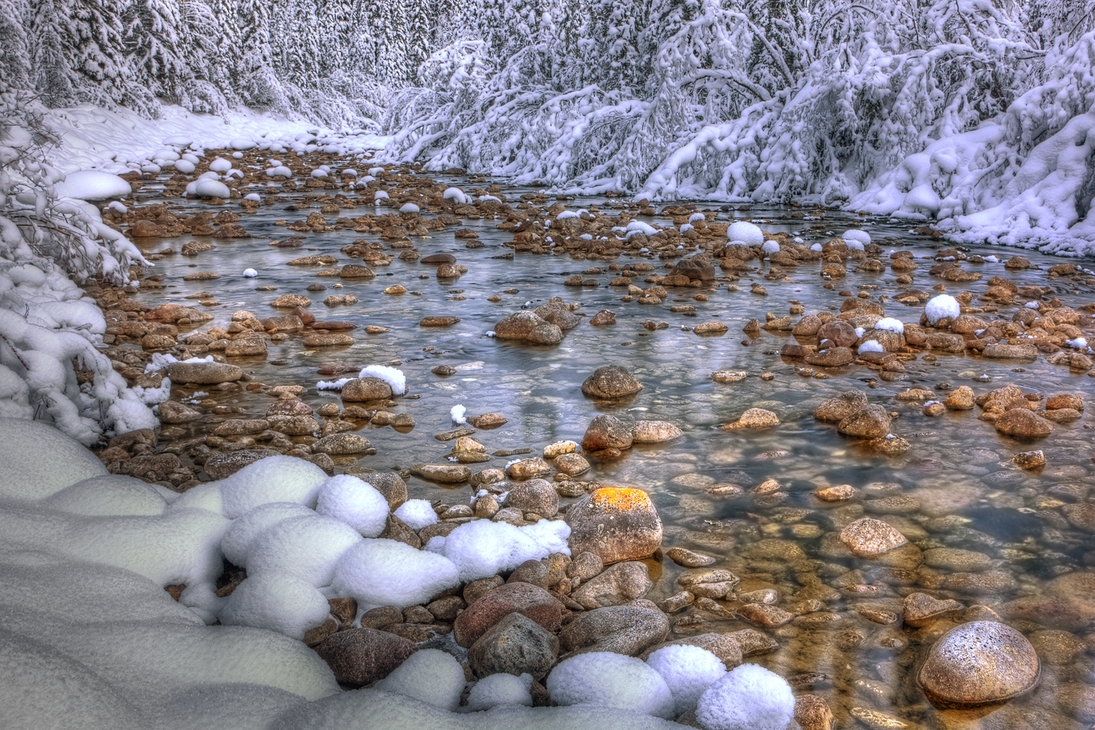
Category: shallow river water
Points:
column 956, row 487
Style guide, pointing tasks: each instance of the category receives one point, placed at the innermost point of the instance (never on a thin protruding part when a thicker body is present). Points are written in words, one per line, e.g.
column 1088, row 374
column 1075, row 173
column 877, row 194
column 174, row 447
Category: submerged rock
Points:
column 869, row 538
column 979, row 663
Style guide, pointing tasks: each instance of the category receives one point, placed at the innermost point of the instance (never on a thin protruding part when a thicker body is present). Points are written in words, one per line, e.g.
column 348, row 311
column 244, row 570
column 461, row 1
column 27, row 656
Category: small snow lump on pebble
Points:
column 943, row 306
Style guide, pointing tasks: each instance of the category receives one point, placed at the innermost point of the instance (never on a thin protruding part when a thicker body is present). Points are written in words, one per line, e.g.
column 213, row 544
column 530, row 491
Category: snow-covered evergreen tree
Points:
column 14, row 53
column 153, row 47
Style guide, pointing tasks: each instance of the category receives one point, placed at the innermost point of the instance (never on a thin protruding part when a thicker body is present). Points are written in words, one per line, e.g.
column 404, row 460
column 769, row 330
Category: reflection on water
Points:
column 996, row 532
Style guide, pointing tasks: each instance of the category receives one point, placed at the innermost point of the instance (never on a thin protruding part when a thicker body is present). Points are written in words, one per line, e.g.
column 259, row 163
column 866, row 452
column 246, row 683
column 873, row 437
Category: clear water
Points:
column 964, row 491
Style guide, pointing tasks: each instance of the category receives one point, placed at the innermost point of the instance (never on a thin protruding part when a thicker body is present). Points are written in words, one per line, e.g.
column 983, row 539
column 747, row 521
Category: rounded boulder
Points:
column 977, row 664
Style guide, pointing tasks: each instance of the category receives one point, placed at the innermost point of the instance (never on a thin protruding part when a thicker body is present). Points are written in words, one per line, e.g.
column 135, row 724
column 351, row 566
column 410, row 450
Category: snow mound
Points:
column 500, row 689
column 392, row 376
column 409, row 208
column 306, row 547
column 746, row 233
column 237, row 542
column 417, row 513
column 40, row 461
column 430, row 676
column 770, row 247
column 457, row 414
column 611, row 680
column 456, row 195
column 279, row 171
column 688, row 671
column 44, row 687
column 748, row 698
column 208, row 497
column 108, row 495
column 891, row 324
column 943, row 306
column 93, row 185
column 208, row 188
column 282, row 603
column 856, row 239
column 390, row 573
column 250, row 273
column 871, row 346
column 273, row 479
column 480, row 548
column 186, row 167
column 220, row 165
column 355, row 502
column 242, row 144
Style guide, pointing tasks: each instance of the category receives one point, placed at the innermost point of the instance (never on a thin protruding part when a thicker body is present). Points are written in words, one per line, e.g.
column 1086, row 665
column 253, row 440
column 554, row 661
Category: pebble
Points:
column 688, row 558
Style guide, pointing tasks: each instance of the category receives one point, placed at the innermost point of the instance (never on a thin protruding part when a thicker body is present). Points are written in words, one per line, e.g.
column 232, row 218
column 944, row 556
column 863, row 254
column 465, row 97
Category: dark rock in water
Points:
column 621, row 629
column 203, row 373
column 979, row 663
column 490, row 608
column 528, row 327
column 606, row 432
column 619, row 584
column 611, row 381
column 515, row 645
column 836, row 409
column 220, row 465
column 839, row 332
column 695, row 267
column 616, row 524
column 557, row 313
column 366, row 389
column 872, row 422
column 362, row 656
column 535, row 495
column 1023, row 424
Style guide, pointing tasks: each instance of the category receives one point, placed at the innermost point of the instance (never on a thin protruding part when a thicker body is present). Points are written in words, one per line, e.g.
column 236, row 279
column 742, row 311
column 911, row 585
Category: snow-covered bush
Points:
column 49, row 365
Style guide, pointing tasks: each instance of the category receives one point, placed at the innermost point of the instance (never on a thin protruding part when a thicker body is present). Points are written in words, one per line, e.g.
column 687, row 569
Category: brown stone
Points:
column 979, row 663
column 362, row 656
column 1022, row 424
column 753, row 418
column 871, row 422
column 869, row 538
column 611, row 382
column 490, row 608
column 606, row 432
column 836, row 409
column 616, row 524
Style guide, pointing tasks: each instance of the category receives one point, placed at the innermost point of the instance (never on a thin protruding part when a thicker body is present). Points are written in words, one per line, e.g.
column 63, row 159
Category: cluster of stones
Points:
column 963, row 655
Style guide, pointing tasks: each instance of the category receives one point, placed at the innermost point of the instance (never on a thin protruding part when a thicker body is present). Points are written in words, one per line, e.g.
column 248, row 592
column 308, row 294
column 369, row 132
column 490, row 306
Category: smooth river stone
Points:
column 869, row 538
column 979, row 663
